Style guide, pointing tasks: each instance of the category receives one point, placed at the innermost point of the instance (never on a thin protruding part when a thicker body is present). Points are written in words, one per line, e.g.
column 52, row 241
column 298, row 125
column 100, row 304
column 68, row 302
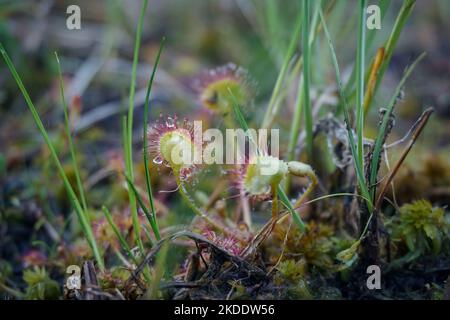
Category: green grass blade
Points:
column 147, row 169
column 378, row 148
column 128, row 143
column 359, row 170
column 137, row 44
column 238, row 113
column 405, row 12
column 272, row 109
column 298, row 111
column 273, row 24
column 131, row 195
column 306, row 78
column 158, row 272
column 349, row 88
column 73, row 153
column 296, row 122
column 85, row 226
column 371, row 34
column 360, row 71
column 287, row 203
column 150, row 216
column 122, row 241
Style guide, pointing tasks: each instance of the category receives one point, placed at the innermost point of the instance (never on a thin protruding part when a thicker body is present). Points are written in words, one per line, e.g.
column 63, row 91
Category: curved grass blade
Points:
column 371, row 80
column 359, row 170
column 272, row 109
column 349, row 89
column 150, row 216
column 379, row 140
column 81, row 214
column 306, row 78
column 360, row 67
column 122, row 241
column 405, row 12
column 128, row 137
column 147, row 169
column 131, row 195
column 69, row 138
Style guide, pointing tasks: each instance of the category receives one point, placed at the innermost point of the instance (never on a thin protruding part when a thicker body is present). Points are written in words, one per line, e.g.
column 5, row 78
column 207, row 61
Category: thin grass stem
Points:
column 298, row 111
column 122, row 241
column 148, row 181
column 358, row 169
column 378, row 148
column 131, row 194
column 405, row 12
column 306, row 78
column 272, row 108
column 150, row 216
column 129, row 127
column 70, row 140
column 81, row 214
column 360, row 71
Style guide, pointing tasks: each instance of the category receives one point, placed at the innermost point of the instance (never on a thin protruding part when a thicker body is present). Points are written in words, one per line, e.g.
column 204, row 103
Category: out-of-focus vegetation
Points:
column 78, row 191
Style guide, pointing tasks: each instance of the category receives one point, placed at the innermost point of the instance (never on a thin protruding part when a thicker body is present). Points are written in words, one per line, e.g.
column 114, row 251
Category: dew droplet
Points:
column 157, row 160
column 170, row 122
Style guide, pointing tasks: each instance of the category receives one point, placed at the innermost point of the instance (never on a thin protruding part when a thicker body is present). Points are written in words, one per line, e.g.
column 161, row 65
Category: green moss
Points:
column 315, row 246
column 40, row 286
column 422, row 228
column 291, row 276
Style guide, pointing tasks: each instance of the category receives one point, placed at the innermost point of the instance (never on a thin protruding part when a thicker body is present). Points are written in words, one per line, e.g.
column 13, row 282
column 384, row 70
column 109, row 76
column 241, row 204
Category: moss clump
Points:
column 291, row 276
column 315, row 246
column 114, row 279
column 40, row 286
column 421, row 227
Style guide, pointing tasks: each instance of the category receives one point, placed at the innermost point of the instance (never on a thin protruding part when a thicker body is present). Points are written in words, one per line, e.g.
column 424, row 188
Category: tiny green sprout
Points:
column 349, row 255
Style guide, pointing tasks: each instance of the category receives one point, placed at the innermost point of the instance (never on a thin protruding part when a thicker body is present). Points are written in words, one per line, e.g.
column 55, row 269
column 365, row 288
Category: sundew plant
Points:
column 224, row 149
